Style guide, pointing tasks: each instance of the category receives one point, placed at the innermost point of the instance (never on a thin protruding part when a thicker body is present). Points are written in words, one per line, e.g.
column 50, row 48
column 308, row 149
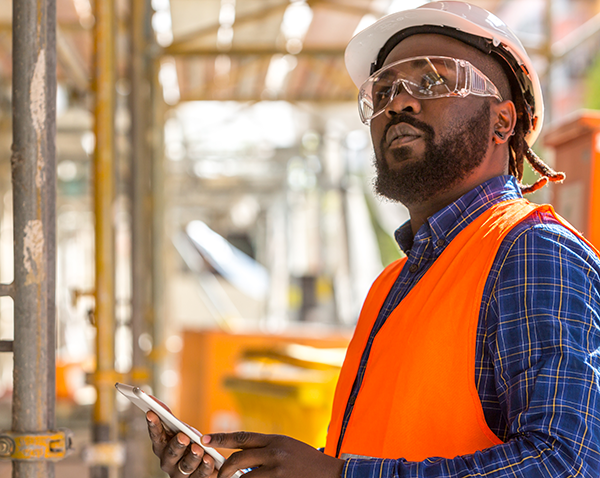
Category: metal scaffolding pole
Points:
column 141, row 109
column 104, row 417
column 548, row 27
column 141, row 222
column 158, row 287
column 34, row 205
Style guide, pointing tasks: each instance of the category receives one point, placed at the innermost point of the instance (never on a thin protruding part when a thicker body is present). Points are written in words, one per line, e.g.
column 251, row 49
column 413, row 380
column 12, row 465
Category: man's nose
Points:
column 402, row 102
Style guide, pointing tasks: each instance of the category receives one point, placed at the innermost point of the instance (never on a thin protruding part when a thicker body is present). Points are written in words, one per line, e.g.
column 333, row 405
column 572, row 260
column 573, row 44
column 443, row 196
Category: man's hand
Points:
column 177, row 458
column 273, row 456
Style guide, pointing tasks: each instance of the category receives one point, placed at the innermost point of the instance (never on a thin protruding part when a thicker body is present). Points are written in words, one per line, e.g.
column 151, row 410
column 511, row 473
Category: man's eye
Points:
column 430, row 80
column 382, row 93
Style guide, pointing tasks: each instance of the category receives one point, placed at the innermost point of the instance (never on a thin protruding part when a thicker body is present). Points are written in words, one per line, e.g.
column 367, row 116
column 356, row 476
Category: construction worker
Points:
column 479, row 353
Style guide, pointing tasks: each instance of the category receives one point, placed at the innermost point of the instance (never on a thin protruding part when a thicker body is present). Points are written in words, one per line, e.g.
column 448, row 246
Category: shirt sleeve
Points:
column 543, row 337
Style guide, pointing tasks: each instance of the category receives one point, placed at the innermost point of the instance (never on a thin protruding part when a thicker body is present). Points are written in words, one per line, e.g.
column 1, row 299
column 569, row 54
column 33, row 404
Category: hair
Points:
column 519, row 151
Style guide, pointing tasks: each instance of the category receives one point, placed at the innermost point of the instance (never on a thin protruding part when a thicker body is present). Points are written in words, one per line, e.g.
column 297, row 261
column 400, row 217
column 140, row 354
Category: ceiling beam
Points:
column 349, row 96
column 250, row 51
column 343, row 89
column 183, row 42
column 346, row 8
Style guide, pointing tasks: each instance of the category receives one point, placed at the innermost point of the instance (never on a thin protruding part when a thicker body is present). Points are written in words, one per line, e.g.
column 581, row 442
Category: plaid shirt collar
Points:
column 440, row 228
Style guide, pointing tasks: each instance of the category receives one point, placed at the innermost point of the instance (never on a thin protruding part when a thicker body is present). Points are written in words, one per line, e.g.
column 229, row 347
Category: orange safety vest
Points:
column 418, row 397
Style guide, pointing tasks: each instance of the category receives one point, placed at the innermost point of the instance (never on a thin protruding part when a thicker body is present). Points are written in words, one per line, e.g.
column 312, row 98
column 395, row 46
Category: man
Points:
column 479, row 354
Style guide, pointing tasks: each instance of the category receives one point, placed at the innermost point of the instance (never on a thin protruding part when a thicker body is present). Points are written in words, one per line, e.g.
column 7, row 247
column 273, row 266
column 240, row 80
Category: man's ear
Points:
column 504, row 120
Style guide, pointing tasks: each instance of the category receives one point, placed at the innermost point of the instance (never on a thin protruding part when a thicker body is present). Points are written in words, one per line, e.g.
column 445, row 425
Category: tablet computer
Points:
column 145, row 402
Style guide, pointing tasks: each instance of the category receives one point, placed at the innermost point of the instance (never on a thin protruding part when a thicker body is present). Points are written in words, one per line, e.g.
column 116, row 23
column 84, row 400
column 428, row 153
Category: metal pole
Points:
column 141, row 221
column 141, row 185
column 548, row 27
column 158, row 286
column 34, row 206
column 104, row 418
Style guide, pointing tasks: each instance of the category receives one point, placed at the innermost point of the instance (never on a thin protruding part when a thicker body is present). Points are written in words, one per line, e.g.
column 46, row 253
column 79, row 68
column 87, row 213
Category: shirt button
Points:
column 440, row 242
column 413, row 268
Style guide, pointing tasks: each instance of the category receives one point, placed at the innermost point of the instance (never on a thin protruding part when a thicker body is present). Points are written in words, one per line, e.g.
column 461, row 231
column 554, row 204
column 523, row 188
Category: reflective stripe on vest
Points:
column 418, row 398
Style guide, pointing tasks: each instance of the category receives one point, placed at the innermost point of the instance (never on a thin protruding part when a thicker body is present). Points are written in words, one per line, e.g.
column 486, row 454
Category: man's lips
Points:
column 401, row 134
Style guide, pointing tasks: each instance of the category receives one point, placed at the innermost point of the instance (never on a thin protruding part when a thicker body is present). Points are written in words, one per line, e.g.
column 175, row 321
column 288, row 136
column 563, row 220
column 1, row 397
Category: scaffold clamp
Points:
column 43, row 446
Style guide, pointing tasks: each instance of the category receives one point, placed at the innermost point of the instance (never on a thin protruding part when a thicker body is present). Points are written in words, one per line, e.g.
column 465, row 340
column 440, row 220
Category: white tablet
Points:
column 144, row 402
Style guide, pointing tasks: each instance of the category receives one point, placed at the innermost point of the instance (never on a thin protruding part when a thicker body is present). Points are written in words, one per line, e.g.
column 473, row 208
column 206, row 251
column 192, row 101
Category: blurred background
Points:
column 245, row 230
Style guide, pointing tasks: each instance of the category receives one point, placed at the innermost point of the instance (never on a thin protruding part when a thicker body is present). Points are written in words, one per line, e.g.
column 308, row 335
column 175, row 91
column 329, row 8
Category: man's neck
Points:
column 419, row 213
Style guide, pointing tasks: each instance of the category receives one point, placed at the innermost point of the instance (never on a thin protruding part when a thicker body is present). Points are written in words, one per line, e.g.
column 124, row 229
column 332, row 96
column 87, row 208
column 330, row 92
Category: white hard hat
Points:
column 454, row 19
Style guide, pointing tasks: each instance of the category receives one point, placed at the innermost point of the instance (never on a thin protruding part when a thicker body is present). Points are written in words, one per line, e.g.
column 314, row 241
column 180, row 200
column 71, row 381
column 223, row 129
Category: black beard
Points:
column 442, row 166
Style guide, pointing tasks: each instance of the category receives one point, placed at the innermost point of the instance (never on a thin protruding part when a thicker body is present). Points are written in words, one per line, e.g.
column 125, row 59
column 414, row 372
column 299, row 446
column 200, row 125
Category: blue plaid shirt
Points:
column 537, row 352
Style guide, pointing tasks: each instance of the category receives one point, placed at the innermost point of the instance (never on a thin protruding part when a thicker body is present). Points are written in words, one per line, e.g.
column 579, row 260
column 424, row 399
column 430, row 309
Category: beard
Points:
column 443, row 164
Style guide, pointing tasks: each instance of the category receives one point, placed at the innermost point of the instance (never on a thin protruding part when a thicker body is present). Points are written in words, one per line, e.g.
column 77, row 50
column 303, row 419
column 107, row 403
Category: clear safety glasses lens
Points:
column 423, row 77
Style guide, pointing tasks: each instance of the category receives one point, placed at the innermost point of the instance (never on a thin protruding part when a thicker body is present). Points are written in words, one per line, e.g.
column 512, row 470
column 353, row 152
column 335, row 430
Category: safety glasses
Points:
column 423, row 77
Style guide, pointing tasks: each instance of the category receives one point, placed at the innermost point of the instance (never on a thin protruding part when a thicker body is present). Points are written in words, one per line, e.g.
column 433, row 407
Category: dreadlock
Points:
column 519, row 150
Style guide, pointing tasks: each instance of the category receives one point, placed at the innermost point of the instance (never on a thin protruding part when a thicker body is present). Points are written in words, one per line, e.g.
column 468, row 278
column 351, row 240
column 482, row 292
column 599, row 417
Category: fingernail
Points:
column 179, row 441
column 206, row 439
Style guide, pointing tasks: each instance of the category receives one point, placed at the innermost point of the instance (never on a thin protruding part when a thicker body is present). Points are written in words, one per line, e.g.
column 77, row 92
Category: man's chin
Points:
column 408, row 193
column 410, row 181
column 396, row 157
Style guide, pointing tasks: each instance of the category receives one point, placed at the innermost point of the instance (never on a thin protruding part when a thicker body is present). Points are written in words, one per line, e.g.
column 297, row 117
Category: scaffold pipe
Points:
column 104, row 415
column 33, row 164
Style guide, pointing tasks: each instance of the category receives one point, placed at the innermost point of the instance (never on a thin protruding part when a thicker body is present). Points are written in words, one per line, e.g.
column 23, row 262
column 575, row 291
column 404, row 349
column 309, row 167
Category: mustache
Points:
column 410, row 120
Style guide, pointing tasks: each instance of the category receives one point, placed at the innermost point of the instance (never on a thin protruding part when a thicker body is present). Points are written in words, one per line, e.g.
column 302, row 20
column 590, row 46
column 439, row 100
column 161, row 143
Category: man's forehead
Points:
column 414, row 65
column 436, row 45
